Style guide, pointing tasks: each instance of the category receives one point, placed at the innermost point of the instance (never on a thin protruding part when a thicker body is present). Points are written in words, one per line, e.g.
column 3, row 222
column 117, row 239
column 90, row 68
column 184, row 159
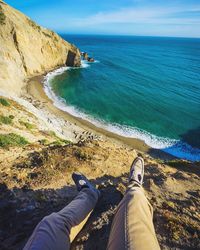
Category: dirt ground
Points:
column 35, row 180
column 46, row 186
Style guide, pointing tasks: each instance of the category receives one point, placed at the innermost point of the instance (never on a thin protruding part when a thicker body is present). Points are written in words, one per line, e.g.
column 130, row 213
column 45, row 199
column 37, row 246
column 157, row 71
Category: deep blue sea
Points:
column 140, row 87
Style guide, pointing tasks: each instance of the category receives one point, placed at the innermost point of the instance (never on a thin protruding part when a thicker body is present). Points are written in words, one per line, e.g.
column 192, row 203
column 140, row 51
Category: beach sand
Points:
column 75, row 128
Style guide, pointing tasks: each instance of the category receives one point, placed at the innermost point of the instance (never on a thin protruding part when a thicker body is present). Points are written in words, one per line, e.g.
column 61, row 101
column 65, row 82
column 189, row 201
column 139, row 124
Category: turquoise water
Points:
column 142, row 87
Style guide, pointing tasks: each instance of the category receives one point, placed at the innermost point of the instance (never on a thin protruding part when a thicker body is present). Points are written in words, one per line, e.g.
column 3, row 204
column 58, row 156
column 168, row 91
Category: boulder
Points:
column 90, row 59
column 85, row 56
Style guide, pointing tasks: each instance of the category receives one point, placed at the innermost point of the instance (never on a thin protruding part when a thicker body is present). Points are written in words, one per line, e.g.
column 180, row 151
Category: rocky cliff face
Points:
column 27, row 49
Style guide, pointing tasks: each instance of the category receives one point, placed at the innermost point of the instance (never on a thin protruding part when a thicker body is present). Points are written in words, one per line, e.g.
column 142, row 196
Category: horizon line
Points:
column 101, row 34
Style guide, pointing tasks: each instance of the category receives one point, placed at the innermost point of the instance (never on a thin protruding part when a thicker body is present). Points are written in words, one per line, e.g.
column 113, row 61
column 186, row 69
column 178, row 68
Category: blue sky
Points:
column 123, row 17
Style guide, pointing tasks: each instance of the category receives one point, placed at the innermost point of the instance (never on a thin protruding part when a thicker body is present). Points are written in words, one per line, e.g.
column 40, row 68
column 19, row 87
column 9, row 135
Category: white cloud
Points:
column 140, row 15
column 171, row 20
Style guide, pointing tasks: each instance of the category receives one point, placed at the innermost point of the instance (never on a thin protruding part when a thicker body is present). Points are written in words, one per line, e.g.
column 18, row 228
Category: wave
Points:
column 85, row 64
column 174, row 147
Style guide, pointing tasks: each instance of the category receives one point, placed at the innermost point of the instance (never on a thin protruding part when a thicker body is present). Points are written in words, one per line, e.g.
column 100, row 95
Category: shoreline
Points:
column 76, row 128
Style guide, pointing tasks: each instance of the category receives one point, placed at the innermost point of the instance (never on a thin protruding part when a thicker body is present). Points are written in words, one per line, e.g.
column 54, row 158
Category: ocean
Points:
column 141, row 87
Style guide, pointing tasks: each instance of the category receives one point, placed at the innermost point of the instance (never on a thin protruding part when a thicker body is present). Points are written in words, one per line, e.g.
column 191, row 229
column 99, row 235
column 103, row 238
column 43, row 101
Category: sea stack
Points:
column 28, row 49
column 86, row 57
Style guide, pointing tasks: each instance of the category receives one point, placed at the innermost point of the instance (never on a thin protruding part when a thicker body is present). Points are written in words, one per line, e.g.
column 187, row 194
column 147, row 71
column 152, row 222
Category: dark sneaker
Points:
column 82, row 182
column 137, row 171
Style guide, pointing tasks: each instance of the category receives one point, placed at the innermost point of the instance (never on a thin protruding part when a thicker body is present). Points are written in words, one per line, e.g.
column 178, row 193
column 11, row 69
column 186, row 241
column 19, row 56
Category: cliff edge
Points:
column 35, row 180
column 27, row 49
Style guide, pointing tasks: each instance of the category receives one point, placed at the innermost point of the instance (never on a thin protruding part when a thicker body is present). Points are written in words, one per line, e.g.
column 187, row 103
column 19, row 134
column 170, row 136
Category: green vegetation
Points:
column 6, row 119
column 4, row 102
column 27, row 124
column 46, row 34
column 43, row 142
column 7, row 140
column 59, row 142
column 65, row 141
column 50, row 34
column 34, row 25
column 2, row 16
column 56, row 143
column 81, row 155
column 11, row 117
column 168, row 205
column 52, row 133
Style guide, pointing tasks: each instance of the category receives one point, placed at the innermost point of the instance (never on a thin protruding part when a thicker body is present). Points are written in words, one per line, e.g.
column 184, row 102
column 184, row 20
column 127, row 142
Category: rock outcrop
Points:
column 27, row 49
column 85, row 55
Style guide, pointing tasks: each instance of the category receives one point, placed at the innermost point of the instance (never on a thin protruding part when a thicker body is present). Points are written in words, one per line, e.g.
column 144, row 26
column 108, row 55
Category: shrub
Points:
column 2, row 16
column 56, row 143
column 52, row 133
column 43, row 141
column 80, row 155
column 5, row 119
column 33, row 24
column 27, row 125
column 65, row 141
column 11, row 117
column 59, row 142
column 46, row 34
column 11, row 139
column 4, row 102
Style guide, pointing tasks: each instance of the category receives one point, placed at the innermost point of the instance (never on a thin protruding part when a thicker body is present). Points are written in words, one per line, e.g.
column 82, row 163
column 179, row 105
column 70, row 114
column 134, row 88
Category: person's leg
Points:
column 132, row 227
column 57, row 230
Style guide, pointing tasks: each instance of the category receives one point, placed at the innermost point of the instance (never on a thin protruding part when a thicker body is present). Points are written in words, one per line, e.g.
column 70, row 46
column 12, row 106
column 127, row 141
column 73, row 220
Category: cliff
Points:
column 40, row 147
column 27, row 49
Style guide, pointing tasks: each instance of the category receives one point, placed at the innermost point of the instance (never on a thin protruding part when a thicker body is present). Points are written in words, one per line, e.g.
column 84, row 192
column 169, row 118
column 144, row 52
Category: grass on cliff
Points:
column 46, row 34
column 6, row 119
column 80, row 155
column 59, row 142
column 2, row 16
column 27, row 124
column 4, row 102
column 34, row 25
column 8, row 140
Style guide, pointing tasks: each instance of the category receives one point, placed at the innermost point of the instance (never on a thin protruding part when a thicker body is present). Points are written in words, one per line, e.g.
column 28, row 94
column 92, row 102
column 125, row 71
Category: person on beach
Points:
column 132, row 226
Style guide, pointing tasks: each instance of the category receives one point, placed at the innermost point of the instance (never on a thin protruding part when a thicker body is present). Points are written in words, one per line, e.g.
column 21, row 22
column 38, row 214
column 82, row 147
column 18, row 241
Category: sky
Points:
column 176, row 18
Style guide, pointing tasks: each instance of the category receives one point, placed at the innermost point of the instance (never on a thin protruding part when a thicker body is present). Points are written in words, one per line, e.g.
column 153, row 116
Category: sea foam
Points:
column 174, row 147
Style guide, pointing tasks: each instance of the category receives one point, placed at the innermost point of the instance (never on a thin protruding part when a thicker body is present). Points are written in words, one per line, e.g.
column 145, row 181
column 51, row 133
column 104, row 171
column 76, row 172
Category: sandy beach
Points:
column 75, row 128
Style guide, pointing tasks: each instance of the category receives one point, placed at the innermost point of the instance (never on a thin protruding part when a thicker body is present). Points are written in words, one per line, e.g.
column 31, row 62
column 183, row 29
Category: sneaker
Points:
column 82, row 182
column 137, row 171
